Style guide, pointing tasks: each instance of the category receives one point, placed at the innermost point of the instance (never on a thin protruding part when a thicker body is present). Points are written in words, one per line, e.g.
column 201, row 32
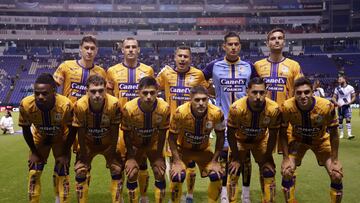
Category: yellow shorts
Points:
column 202, row 158
column 56, row 145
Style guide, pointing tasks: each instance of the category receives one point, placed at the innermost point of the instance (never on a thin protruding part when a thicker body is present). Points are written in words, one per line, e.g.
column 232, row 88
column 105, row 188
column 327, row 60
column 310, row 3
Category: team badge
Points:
column 209, row 125
column 105, row 119
column 58, row 117
column 266, row 120
column 319, row 119
column 141, row 75
column 158, row 119
column 285, row 69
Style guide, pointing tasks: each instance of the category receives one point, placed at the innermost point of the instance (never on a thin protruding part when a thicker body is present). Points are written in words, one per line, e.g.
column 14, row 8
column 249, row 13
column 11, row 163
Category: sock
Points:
column 336, row 192
column 64, row 189
column 160, row 191
column 116, row 188
column 341, row 128
column 232, row 187
column 176, row 191
column 289, row 190
column 190, row 177
column 143, row 179
column 348, row 126
column 34, row 185
column 224, row 164
column 133, row 191
column 246, row 170
column 82, row 188
column 214, row 188
column 269, row 187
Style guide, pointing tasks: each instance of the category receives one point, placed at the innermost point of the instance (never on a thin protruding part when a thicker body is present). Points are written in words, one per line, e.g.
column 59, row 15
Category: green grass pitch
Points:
column 312, row 180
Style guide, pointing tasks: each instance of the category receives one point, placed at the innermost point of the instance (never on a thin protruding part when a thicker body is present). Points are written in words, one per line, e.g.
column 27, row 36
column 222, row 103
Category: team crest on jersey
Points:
column 266, row 120
column 58, row 117
column 285, row 70
column 209, row 125
column 158, row 119
column 142, row 74
column 105, row 119
column 191, row 78
column 319, row 119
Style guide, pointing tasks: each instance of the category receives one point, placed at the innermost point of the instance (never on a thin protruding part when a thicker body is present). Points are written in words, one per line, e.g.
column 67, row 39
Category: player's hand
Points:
column 159, row 167
column 215, row 167
column 287, row 168
column 131, row 168
column 176, row 168
column 62, row 163
column 234, row 167
column 336, row 172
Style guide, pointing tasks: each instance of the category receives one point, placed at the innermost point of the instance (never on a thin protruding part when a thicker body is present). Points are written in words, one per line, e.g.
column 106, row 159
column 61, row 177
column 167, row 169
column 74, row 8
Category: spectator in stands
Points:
column 318, row 91
column 7, row 123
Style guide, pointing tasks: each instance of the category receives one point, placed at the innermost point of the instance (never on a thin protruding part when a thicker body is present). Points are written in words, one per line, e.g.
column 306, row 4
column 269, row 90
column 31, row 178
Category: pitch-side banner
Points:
column 32, row 20
column 295, row 20
column 221, row 21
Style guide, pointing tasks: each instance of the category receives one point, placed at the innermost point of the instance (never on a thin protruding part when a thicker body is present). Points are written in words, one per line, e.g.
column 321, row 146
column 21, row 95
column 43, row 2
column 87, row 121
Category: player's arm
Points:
column 70, row 139
column 131, row 166
column 82, row 131
column 28, row 136
column 334, row 98
column 353, row 98
column 234, row 165
column 60, row 74
column 164, row 127
column 173, row 147
column 109, row 83
column 220, row 138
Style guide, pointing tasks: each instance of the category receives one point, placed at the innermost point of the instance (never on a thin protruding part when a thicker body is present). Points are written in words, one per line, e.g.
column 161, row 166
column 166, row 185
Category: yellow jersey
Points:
column 97, row 123
column 177, row 85
column 310, row 126
column 124, row 81
column 280, row 77
column 51, row 125
column 193, row 133
column 251, row 126
column 72, row 76
column 144, row 126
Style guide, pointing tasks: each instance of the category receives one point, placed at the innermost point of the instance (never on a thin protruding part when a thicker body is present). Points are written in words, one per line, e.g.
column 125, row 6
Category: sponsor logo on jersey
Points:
column 306, row 132
column 275, row 81
column 232, row 81
column 49, row 130
column 129, row 94
column 179, row 91
column 97, row 132
column 145, row 132
column 233, row 89
column 128, row 86
column 193, row 139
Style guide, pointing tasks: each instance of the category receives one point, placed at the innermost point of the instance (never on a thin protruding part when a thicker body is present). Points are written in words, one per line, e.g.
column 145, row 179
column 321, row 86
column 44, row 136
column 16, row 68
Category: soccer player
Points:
column 190, row 128
column 45, row 118
column 97, row 118
column 230, row 76
column 344, row 96
column 72, row 74
column 312, row 118
column 177, row 83
column 253, row 124
column 145, row 123
column 122, row 82
column 318, row 90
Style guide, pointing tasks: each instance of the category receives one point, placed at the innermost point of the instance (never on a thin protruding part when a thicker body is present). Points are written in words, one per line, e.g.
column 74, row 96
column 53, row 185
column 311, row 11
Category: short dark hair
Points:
column 183, row 47
column 128, row 39
column 46, row 78
column 231, row 34
column 256, row 81
column 302, row 81
column 147, row 81
column 95, row 80
column 198, row 90
column 275, row 30
column 89, row 38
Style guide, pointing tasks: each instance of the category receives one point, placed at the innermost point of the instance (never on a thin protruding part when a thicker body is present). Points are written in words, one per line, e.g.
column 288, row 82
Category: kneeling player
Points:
column 311, row 118
column 190, row 128
column 97, row 117
column 45, row 118
column 145, row 123
column 253, row 125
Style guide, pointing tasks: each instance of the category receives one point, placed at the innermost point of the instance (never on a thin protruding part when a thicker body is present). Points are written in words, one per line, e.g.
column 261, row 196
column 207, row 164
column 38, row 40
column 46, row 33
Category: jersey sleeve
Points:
column 254, row 72
column 79, row 118
column 165, row 122
column 160, row 79
column 116, row 117
column 24, row 119
column 232, row 120
column 284, row 117
column 109, row 80
column 60, row 74
column 175, row 121
column 220, row 122
column 297, row 71
column 125, row 119
column 331, row 117
column 208, row 70
column 69, row 113
column 204, row 82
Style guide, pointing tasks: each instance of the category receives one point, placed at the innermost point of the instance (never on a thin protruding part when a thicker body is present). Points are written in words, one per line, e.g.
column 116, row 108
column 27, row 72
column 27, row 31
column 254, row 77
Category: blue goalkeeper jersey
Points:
column 230, row 80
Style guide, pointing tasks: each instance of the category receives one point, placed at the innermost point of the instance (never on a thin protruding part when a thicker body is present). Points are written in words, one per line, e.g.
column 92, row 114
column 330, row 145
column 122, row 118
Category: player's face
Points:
column 341, row 80
column 276, row 41
column 96, row 93
column 303, row 95
column 182, row 59
column 44, row 95
column 131, row 49
column 232, row 47
column 148, row 94
column 199, row 103
column 88, row 51
column 257, row 94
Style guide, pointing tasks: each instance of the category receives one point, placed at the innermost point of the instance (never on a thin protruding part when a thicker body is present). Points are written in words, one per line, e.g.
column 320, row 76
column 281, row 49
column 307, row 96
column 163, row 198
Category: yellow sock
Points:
column 214, row 191
column 176, row 191
column 64, row 188
column 116, row 188
column 190, row 179
column 232, row 188
column 143, row 179
column 288, row 187
column 336, row 192
column 133, row 191
column 82, row 188
column 269, row 190
column 160, row 191
column 34, row 186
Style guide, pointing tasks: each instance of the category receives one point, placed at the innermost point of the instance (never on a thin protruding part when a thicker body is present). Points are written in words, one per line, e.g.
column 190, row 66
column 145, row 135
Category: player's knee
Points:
column 214, row 177
column 143, row 166
column 268, row 172
column 115, row 170
column 348, row 120
column 37, row 166
column 336, row 177
column 80, row 174
column 191, row 164
column 61, row 171
column 179, row 179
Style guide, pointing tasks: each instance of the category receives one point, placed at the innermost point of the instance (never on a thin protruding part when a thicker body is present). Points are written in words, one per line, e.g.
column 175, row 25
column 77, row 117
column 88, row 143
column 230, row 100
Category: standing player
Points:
column 190, row 128
column 318, row 90
column 311, row 118
column 177, row 83
column 45, row 118
column 145, row 123
column 344, row 96
column 122, row 82
column 97, row 118
column 230, row 76
column 249, row 120
column 72, row 74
